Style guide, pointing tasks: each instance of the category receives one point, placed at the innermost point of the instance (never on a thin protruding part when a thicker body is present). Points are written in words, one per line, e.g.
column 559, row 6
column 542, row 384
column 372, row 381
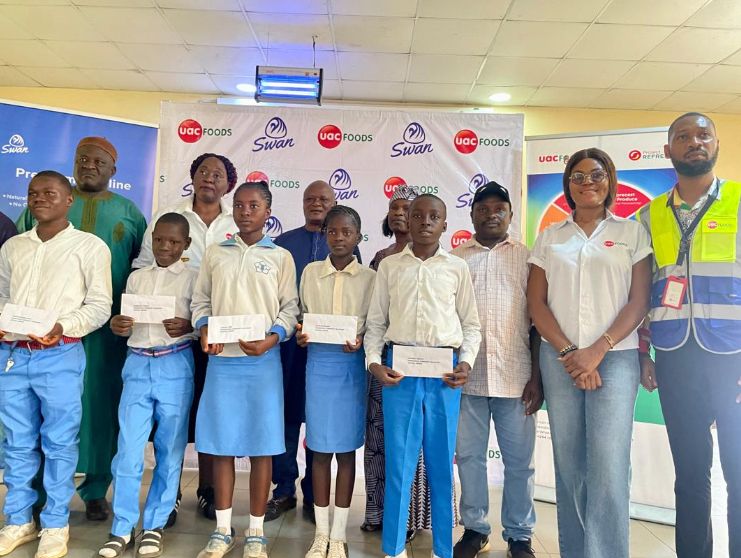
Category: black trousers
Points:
column 698, row 388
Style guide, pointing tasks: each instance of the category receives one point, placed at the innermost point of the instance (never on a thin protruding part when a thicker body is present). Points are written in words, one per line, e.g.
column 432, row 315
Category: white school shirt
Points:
column 324, row 290
column 201, row 236
column 589, row 278
column 176, row 280
column 69, row 274
column 499, row 276
column 426, row 303
column 237, row 279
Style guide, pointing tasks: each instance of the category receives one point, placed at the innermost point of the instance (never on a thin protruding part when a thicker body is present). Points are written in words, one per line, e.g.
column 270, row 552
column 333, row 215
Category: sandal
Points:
column 150, row 538
column 117, row 545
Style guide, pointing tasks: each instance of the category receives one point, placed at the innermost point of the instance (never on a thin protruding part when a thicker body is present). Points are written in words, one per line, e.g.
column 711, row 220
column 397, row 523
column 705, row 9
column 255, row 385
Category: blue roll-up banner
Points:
column 35, row 139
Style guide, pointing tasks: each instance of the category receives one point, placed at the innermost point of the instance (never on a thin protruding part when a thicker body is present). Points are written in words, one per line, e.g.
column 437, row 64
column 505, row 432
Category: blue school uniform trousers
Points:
column 157, row 390
column 41, row 410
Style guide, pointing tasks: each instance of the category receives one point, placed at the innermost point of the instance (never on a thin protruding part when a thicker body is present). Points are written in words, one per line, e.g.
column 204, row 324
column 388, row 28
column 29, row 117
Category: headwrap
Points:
column 100, row 143
column 404, row 192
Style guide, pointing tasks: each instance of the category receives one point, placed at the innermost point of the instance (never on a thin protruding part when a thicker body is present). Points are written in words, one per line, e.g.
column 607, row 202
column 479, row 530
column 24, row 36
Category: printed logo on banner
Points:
column 459, row 237
column 190, row 131
column 341, row 183
column 466, row 199
column 15, row 144
column 553, row 158
column 330, row 136
column 393, row 182
column 637, row 154
column 273, row 227
column 257, row 176
column 466, row 141
column 414, row 142
column 275, row 137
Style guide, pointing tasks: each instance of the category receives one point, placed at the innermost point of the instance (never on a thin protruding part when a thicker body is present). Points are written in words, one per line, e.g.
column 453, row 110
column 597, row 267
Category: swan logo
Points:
column 275, row 137
column 15, row 145
column 341, row 183
column 273, row 227
column 414, row 142
column 466, row 199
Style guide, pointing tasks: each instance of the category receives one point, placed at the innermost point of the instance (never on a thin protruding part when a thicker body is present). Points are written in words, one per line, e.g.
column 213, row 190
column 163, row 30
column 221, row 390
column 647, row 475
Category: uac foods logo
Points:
column 190, row 131
column 553, row 158
column 393, row 182
column 273, row 227
column 414, row 142
column 330, row 136
column 466, row 141
column 466, row 199
column 460, row 237
column 341, row 183
column 275, row 137
column 259, row 176
column 714, row 225
column 15, row 145
column 613, row 243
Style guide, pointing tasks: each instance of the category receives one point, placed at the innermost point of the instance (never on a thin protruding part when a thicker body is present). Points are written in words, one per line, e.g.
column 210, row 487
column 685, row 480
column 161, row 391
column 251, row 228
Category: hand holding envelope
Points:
column 36, row 323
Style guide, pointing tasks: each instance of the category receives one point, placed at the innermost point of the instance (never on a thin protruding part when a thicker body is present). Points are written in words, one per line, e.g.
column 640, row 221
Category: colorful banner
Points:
column 363, row 155
column 643, row 173
column 36, row 139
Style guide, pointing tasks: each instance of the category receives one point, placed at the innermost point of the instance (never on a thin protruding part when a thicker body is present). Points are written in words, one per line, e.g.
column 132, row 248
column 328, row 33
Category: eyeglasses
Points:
column 217, row 176
column 595, row 176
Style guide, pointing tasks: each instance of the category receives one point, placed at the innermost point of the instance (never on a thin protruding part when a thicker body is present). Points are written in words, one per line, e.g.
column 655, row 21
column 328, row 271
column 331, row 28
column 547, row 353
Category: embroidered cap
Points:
column 404, row 192
column 100, row 143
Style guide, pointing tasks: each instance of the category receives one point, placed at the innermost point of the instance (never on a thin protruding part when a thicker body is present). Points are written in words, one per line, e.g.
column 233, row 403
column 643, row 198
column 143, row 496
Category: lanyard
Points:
column 685, row 241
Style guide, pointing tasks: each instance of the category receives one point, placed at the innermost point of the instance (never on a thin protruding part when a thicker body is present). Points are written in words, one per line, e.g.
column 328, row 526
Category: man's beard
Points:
column 695, row 168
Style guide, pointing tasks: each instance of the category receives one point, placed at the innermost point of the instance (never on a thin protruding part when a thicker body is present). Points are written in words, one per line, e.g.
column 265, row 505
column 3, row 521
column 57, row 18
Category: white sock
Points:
column 402, row 554
column 322, row 520
column 147, row 548
column 339, row 524
column 109, row 552
column 256, row 523
column 224, row 519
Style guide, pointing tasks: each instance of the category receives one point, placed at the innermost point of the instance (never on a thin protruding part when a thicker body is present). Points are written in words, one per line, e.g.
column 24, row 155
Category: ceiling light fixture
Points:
column 274, row 84
column 500, row 97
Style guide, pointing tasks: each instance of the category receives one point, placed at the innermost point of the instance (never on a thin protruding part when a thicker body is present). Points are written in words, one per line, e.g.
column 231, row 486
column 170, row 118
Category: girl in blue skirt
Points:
column 241, row 409
column 335, row 376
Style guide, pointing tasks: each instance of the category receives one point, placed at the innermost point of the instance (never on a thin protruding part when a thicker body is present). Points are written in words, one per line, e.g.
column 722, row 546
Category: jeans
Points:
column 591, row 434
column 696, row 389
column 516, row 437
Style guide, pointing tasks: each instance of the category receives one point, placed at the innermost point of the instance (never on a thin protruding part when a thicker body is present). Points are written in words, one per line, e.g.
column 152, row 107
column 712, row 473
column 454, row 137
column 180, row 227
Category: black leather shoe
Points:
column 278, row 506
column 520, row 549
column 470, row 544
column 309, row 512
column 370, row 527
column 173, row 517
column 97, row 510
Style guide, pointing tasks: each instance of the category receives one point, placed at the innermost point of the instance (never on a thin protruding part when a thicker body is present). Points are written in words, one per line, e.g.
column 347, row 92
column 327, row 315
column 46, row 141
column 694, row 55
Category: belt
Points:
column 154, row 353
column 36, row 346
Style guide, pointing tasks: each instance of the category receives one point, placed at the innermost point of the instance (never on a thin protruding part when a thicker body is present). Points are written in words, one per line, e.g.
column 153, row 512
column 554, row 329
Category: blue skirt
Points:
column 336, row 384
column 241, row 408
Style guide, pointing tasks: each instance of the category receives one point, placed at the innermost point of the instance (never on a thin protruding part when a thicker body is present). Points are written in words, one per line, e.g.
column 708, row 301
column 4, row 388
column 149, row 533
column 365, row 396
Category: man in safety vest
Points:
column 695, row 327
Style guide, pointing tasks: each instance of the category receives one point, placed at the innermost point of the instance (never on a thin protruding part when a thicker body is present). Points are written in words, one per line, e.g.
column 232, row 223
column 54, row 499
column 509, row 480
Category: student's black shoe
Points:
column 411, row 534
column 309, row 512
column 97, row 510
column 173, row 517
column 470, row 544
column 206, row 502
column 370, row 527
column 520, row 549
column 279, row 506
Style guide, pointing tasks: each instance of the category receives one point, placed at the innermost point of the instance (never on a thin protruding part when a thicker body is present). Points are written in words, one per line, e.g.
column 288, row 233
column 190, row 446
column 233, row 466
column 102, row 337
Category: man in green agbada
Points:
column 120, row 224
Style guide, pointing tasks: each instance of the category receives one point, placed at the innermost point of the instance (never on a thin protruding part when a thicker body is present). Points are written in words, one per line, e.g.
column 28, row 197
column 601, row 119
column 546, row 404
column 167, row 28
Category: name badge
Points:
column 673, row 296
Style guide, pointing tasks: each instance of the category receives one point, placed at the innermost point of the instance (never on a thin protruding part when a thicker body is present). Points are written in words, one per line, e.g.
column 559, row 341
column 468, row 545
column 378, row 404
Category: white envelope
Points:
column 231, row 329
column 424, row 362
column 25, row 319
column 331, row 329
column 148, row 309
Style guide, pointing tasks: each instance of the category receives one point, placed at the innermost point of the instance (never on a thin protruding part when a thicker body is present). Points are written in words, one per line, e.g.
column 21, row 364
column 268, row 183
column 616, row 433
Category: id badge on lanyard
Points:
column 674, row 291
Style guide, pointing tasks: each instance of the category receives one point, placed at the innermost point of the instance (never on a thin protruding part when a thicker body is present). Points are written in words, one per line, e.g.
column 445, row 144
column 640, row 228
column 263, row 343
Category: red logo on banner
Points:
column 190, row 131
column 257, row 176
column 329, row 136
column 466, row 141
column 459, row 237
column 391, row 184
column 634, row 155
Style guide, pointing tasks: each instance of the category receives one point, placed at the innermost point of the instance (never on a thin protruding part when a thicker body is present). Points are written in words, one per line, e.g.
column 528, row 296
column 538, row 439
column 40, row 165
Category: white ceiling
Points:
column 637, row 54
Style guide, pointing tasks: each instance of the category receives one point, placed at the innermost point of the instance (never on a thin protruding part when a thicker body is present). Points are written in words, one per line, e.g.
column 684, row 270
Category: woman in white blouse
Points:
column 588, row 291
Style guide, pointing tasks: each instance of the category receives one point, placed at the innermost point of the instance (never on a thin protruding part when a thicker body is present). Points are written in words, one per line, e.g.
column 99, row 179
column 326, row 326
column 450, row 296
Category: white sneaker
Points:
column 319, row 547
column 13, row 536
column 255, row 544
column 53, row 543
column 219, row 544
column 337, row 549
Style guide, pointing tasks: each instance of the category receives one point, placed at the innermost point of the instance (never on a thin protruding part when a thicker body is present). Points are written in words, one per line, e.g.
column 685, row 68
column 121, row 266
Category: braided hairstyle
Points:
column 345, row 210
column 231, row 171
column 261, row 186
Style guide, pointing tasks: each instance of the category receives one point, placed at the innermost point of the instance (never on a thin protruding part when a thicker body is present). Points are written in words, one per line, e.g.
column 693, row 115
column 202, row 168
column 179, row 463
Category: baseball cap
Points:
column 491, row 189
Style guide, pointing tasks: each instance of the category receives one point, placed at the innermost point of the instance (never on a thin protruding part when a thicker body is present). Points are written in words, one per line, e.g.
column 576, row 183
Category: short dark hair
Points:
column 175, row 219
column 261, row 186
column 385, row 228
column 231, row 171
column 58, row 176
column 344, row 210
column 603, row 159
column 429, row 197
column 685, row 115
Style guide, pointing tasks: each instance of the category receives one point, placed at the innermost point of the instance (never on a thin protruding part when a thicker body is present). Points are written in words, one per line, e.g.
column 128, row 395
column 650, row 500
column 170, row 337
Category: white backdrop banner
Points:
column 363, row 155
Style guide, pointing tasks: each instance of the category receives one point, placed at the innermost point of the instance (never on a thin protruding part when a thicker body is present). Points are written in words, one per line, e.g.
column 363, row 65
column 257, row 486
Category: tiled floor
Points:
column 290, row 536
